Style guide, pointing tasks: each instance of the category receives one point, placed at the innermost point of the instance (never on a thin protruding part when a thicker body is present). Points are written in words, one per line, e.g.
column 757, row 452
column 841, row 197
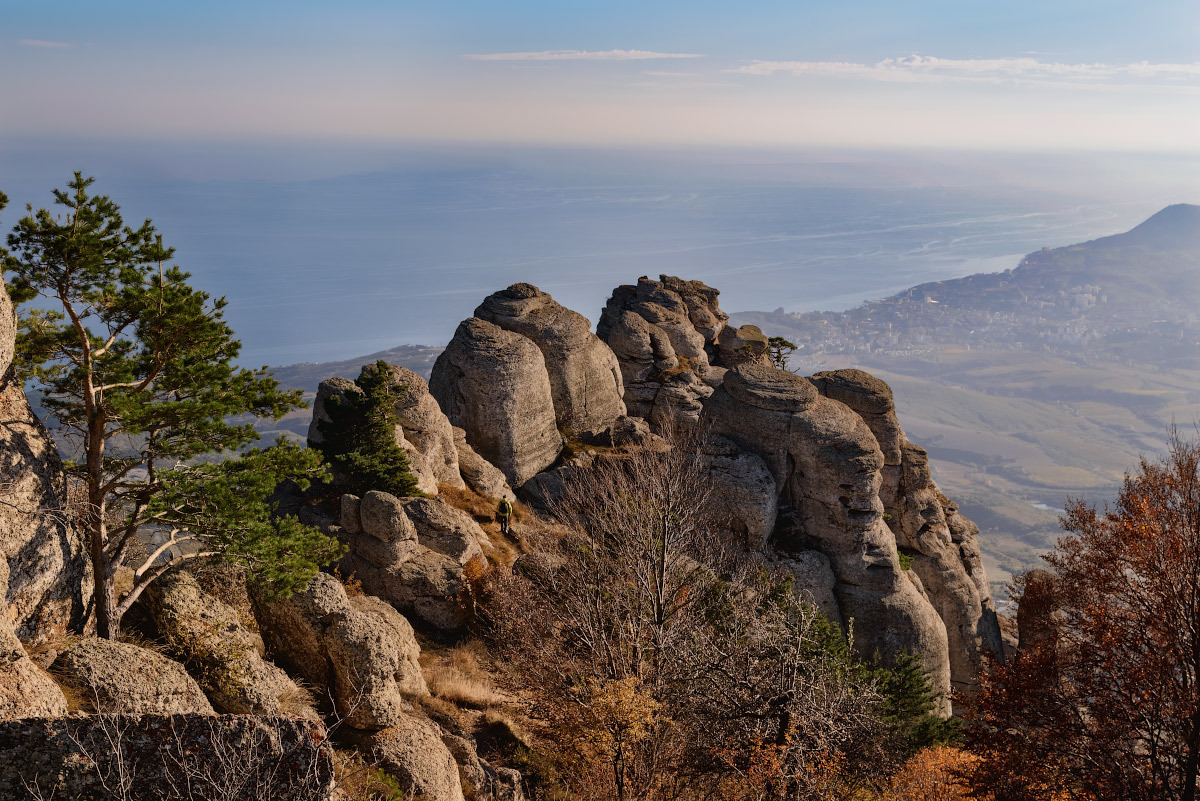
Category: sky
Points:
column 1020, row 75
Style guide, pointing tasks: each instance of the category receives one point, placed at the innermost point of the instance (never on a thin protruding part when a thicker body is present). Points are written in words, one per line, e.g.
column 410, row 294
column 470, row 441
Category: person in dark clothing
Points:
column 504, row 514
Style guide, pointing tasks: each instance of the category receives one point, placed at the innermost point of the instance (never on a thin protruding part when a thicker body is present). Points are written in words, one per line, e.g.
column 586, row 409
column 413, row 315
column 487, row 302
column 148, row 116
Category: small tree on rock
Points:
column 359, row 438
column 137, row 370
column 780, row 349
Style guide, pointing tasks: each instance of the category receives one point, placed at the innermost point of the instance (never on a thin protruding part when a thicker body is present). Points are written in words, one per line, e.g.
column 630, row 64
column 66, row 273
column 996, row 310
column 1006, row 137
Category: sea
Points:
column 332, row 266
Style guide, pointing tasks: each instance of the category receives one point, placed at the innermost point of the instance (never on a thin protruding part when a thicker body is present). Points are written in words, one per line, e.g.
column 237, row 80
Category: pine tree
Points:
column 138, row 371
column 360, row 437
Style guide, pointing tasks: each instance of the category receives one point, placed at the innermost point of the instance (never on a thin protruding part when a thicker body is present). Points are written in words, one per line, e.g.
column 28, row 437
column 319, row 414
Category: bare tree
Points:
column 663, row 654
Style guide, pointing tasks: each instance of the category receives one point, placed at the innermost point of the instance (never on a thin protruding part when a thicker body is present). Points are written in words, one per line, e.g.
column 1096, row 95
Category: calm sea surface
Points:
column 328, row 269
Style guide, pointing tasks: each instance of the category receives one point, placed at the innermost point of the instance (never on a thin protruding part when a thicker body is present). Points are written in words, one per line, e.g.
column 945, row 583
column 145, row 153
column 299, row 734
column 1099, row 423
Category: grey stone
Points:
column 412, row 751
column 585, row 377
column 118, row 677
column 494, row 385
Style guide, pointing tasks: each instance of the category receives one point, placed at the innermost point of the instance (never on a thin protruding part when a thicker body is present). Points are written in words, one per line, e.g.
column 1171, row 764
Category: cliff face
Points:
column 47, row 566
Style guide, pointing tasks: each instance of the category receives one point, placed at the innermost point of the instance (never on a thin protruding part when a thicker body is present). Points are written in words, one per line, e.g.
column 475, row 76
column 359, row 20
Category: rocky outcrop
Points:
column 48, row 572
column 946, row 560
column 358, row 650
column 494, row 385
column 412, row 751
column 478, row 473
column 223, row 655
column 410, row 552
column 25, row 689
column 108, row 676
column 151, row 757
column 488, row 783
column 672, row 342
column 816, row 582
column 827, row 464
column 585, row 379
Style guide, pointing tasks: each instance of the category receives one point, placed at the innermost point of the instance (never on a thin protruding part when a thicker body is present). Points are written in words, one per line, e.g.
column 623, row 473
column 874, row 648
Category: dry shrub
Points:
column 480, row 507
column 933, row 774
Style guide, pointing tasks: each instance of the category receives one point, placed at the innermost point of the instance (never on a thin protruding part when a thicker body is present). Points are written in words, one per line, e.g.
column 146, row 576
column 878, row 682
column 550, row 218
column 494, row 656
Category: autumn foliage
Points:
column 1102, row 700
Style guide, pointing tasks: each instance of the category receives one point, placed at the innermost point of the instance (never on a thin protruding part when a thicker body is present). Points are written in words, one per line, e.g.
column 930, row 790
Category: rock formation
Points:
column 412, row 751
column 151, row 756
column 478, row 473
column 25, row 689
column 225, row 658
column 359, row 650
column 945, row 557
column 494, row 385
column 410, row 552
column 48, row 573
column 585, row 379
column 118, row 677
column 673, row 345
column 826, row 464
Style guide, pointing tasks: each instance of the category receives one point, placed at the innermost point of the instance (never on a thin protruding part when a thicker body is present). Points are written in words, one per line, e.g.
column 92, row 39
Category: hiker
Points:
column 503, row 514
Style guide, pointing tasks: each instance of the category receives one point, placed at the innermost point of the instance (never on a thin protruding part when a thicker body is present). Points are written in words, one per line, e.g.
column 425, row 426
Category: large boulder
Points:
column 151, row 757
column 118, row 677
column 412, row 751
column 585, row 378
column 826, row 464
column 357, row 650
column 494, row 385
column 946, row 560
column 223, row 655
column 49, row 576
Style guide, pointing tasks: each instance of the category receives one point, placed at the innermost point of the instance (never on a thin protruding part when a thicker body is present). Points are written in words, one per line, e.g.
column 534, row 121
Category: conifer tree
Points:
column 360, row 437
column 138, row 371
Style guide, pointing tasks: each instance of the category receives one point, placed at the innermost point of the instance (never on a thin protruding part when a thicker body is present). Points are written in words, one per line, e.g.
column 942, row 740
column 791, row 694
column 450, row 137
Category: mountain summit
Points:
column 1176, row 227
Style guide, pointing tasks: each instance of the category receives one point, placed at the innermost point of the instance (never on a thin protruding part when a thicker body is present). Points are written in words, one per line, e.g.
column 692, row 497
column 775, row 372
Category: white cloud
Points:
column 581, row 55
column 42, row 43
column 925, row 68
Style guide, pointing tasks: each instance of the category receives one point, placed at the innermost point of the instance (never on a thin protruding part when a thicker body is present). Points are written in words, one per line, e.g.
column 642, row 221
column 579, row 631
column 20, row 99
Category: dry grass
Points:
column 480, row 507
column 460, row 677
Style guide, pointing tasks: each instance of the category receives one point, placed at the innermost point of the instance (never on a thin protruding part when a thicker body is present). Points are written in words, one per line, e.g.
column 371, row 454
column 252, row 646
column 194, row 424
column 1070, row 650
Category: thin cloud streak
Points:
column 43, row 43
column 581, row 55
column 922, row 68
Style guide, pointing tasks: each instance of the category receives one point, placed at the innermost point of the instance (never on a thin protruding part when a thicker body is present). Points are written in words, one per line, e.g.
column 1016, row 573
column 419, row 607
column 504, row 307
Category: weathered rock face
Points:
column 25, row 689
column 814, row 577
column 744, row 493
column 225, row 656
column 411, row 750
column 947, row 561
column 494, row 385
column 488, row 783
column 214, row 757
column 359, row 650
column 585, row 379
column 673, row 345
column 118, row 677
column 827, row 464
column 410, row 552
column 480, row 474
column 49, row 577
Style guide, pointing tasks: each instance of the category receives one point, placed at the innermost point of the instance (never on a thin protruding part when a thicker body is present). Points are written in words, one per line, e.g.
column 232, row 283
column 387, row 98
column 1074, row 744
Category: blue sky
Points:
column 1019, row 75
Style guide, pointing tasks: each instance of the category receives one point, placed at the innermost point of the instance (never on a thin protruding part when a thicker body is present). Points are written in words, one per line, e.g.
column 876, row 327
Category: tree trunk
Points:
column 108, row 625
